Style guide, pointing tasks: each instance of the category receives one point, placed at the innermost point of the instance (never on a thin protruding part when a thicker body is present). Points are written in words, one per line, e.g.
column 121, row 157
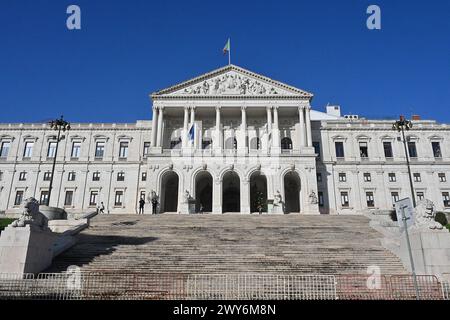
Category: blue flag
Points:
column 192, row 132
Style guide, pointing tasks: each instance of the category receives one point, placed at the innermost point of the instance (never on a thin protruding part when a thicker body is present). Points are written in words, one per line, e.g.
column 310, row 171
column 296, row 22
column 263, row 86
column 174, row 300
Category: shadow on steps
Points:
column 90, row 247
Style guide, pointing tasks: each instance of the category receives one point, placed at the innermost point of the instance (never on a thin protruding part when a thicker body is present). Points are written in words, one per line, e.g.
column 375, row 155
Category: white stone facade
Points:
column 253, row 137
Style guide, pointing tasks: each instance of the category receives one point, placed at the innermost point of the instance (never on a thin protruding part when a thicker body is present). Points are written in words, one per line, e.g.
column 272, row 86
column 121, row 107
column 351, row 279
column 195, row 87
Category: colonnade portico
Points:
column 238, row 121
column 272, row 127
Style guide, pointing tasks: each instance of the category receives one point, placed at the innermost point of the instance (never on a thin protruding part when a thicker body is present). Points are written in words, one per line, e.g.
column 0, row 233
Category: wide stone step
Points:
column 229, row 244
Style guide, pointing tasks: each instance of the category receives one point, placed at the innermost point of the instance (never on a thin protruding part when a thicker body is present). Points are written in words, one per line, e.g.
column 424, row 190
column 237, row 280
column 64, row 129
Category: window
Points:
column 123, row 150
column 319, row 177
column 72, row 176
column 51, row 150
column 176, row 144
column 146, row 148
column 121, row 176
column 388, row 149
column 4, row 150
column 100, row 150
column 339, row 149
column 96, row 176
column 363, row 150
column 93, row 198
column 286, row 143
column 28, row 150
column 367, row 177
column 206, row 143
column 76, row 148
column 342, row 177
column 47, row 176
column 118, row 200
column 316, row 146
column 142, row 195
column 255, row 143
column 420, row 196
column 417, row 177
column 321, row 201
column 446, row 199
column 231, row 144
column 395, row 198
column 412, row 150
column 370, row 200
column 144, row 176
column 436, row 149
column 392, row 177
column 23, row 176
column 344, row 200
column 19, row 198
column 44, row 198
column 68, row 198
column 442, row 177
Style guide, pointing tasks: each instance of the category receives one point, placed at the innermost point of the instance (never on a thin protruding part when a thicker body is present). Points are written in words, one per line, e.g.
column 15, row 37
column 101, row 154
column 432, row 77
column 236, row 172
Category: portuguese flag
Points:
column 226, row 49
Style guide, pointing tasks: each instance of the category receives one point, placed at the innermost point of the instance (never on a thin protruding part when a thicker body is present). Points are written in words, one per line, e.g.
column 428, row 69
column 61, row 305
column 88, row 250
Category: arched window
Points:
column 175, row 143
column 231, row 144
column 206, row 143
column 255, row 143
column 286, row 143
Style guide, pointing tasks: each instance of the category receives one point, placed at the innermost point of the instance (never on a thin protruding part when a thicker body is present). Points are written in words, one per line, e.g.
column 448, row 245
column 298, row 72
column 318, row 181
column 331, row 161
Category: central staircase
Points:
column 288, row 244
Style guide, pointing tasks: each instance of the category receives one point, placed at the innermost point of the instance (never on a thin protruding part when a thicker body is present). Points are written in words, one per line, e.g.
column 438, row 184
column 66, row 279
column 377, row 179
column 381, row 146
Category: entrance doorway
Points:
column 292, row 192
column 203, row 192
column 231, row 192
column 169, row 192
column 258, row 192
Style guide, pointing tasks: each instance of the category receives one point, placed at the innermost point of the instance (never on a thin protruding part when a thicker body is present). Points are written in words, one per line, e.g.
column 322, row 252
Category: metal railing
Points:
column 110, row 285
column 388, row 287
column 261, row 287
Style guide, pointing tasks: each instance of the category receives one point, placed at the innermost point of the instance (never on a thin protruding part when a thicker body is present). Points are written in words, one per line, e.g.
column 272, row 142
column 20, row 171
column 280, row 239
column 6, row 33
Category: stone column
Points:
column 301, row 113
column 269, row 127
column 245, row 196
column 193, row 123
column 308, row 126
column 275, row 132
column 154, row 127
column 185, row 127
column 217, row 195
column 159, row 136
column 243, row 143
column 217, row 141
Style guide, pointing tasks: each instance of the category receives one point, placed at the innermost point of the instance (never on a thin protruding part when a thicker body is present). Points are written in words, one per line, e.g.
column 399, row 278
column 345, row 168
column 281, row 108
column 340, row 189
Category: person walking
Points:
column 141, row 206
column 101, row 208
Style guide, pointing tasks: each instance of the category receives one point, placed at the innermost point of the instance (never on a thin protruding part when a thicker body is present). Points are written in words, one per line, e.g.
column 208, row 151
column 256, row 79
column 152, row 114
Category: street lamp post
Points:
column 58, row 125
column 400, row 126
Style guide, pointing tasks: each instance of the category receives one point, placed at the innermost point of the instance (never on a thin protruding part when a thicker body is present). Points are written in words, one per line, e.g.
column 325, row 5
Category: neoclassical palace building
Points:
column 227, row 141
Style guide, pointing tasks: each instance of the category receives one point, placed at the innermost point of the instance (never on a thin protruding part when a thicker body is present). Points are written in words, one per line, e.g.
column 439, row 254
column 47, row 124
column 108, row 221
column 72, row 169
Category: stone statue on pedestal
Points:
column 313, row 198
column 31, row 216
column 277, row 199
column 425, row 214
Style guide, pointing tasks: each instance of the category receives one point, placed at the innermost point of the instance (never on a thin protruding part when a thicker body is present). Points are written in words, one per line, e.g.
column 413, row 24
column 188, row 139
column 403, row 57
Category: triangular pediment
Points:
column 232, row 81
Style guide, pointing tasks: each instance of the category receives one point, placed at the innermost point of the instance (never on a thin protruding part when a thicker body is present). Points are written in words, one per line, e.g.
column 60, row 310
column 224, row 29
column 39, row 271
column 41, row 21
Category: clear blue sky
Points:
column 128, row 49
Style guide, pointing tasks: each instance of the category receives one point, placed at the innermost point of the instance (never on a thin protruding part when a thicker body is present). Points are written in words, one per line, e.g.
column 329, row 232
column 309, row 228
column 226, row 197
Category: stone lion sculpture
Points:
column 425, row 214
column 31, row 215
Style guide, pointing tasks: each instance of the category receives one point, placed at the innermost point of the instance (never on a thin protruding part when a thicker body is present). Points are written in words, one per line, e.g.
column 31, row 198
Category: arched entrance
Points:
column 231, row 192
column 292, row 192
column 203, row 192
column 169, row 192
column 258, row 192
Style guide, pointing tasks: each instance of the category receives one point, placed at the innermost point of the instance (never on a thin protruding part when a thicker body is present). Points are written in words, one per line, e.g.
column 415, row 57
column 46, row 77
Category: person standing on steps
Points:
column 154, row 202
column 141, row 206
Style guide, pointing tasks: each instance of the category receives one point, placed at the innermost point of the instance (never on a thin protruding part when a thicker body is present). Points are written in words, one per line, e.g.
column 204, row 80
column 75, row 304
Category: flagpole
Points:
column 229, row 54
